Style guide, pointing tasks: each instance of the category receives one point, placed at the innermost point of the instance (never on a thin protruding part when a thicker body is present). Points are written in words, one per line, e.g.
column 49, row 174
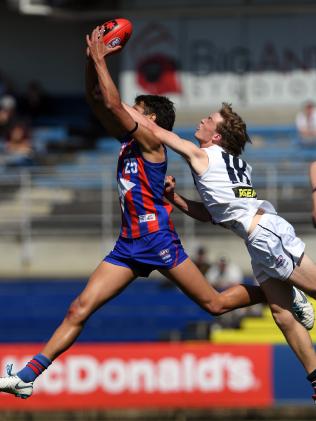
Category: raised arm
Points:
column 111, row 97
column 195, row 210
column 95, row 101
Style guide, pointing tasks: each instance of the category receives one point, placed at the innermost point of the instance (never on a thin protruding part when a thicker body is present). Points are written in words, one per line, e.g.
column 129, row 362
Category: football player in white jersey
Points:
column 223, row 181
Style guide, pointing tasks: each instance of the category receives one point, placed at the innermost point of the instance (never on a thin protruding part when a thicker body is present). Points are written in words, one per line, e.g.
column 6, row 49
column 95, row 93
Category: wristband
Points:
column 133, row 130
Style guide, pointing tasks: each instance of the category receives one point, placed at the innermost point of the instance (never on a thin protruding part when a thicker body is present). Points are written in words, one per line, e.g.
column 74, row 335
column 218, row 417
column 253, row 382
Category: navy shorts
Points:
column 158, row 250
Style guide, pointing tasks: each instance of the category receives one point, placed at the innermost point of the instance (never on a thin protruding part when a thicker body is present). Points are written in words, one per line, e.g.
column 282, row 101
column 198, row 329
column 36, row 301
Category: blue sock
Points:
column 34, row 368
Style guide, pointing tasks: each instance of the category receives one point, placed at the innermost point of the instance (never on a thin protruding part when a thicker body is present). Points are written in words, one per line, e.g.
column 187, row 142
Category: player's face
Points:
column 140, row 107
column 206, row 131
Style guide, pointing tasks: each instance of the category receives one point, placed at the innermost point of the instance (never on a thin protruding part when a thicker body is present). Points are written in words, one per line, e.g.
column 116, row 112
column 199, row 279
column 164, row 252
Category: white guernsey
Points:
column 228, row 198
column 227, row 192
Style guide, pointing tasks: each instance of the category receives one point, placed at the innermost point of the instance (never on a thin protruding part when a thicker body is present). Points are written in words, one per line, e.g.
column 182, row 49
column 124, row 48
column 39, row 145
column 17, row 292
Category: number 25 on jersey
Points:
column 130, row 166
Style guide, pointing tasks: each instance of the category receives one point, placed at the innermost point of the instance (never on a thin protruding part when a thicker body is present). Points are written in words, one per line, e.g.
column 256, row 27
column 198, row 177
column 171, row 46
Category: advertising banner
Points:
column 96, row 376
column 295, row 387
column 190, row 61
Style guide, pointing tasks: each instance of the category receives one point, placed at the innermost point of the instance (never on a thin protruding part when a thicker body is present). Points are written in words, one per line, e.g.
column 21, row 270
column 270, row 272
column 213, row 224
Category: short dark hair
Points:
column 233, row 131
column 161, row 106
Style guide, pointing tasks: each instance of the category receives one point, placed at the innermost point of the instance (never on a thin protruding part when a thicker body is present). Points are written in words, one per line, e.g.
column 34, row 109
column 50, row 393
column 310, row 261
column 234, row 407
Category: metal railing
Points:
column 82, row 201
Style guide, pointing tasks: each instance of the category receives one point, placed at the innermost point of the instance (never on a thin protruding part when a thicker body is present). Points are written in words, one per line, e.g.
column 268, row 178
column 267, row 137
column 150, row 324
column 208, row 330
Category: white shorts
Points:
column 274, row 248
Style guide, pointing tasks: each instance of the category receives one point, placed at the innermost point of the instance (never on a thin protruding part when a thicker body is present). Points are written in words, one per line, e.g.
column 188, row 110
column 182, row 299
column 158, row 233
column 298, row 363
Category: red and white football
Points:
column 117, row 32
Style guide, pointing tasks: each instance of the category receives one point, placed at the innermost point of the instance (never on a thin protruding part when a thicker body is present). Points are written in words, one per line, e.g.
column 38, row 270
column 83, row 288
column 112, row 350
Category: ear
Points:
column 152, row 117
column 216, row 138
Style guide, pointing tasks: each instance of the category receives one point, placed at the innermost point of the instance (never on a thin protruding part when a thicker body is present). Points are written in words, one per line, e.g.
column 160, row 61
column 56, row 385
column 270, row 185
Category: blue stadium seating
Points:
column 272, row 145
column 145, row 311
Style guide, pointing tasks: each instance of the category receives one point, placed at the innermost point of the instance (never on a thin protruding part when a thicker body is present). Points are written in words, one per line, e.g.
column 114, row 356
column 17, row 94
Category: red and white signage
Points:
column 95, row 376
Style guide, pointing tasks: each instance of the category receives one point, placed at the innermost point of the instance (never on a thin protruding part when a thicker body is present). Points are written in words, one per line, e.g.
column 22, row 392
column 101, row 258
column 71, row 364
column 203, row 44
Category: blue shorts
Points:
column 158, row 250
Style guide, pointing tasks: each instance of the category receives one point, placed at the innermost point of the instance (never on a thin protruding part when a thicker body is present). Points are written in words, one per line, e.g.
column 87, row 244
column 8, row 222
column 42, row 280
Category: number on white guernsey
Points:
column 236, row 169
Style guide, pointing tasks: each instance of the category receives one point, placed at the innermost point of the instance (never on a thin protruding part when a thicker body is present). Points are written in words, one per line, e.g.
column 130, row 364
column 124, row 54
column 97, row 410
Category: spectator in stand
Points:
column 7, row 114
column 18, row 147
column 224, row 273
column 312, row 175
column 201, row 260
column 35, row 102
column 306, row 123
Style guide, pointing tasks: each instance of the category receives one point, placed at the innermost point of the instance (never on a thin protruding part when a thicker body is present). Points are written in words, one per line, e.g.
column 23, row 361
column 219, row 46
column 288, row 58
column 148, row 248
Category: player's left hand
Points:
column 96, row 48
column 170, row 184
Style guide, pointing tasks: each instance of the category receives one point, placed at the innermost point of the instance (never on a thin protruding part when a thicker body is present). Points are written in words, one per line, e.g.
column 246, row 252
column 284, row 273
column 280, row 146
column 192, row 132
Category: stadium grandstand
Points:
column 150, row 353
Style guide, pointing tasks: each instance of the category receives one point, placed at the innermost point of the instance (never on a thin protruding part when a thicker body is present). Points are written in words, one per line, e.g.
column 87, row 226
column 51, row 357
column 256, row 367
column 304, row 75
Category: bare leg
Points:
column 106, row 282
column 279, row 297
column 188, row 277
column 240, row 296
column 304, row 276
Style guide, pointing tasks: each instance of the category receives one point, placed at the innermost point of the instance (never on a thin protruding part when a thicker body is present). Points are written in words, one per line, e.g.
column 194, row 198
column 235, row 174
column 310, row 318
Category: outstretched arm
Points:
column 183, row 147
column 190, row 207
column 111, row 97
column 196, row 157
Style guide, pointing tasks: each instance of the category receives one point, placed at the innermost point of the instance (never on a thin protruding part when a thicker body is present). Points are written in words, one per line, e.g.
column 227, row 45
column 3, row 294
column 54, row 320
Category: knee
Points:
column 284, row 319
column 78, row 311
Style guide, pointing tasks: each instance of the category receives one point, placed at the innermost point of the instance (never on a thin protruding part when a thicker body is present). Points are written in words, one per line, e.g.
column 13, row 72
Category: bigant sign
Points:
column 146, row 375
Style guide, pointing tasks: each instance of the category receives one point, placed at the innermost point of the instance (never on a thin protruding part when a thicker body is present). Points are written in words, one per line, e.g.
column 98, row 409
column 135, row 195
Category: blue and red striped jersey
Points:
column 141, row 189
